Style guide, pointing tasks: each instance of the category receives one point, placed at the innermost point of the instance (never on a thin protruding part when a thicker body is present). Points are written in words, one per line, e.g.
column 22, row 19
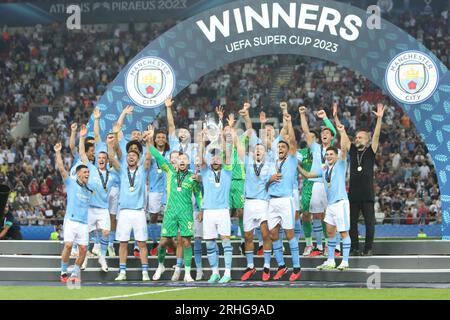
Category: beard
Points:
column 360, row 146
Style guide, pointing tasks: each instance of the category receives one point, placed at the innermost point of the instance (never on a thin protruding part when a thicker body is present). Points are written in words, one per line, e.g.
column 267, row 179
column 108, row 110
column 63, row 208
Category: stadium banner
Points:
column 338, row 32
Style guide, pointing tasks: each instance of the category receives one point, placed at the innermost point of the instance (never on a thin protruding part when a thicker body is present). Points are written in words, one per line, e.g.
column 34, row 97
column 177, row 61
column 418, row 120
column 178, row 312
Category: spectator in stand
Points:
column 9, row 227
column 423, row 213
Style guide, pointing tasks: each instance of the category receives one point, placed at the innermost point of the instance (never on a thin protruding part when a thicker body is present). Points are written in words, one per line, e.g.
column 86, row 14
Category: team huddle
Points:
column 197, row 187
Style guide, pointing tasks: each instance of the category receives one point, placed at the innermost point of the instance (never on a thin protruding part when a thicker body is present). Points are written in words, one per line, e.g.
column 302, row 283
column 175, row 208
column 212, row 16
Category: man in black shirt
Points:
column 361, row 194
column 9, row 228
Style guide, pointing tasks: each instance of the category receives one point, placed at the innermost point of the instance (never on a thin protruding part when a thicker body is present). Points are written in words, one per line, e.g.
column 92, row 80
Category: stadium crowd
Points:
column 47, row 66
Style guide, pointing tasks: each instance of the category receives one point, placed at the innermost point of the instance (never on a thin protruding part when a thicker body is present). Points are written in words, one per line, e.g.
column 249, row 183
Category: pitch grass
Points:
column 63, row 293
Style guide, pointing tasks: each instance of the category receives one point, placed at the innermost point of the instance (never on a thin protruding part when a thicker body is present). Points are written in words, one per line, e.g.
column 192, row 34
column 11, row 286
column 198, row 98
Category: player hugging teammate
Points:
column 193, row 187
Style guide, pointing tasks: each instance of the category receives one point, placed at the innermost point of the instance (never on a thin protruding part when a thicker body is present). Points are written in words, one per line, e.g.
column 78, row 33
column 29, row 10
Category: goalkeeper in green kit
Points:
column 304, row 157
column 181, row 183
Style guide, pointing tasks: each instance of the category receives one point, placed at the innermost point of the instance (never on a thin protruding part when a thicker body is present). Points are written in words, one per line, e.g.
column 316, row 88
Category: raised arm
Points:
column 81, row 147
column 201, row 136
column 238, row 145
column 59, row 161
column 304, row 125
column 170, row 122
column 97, row 115
column 345, row 141
column 335, row 114
column 128, row 110
column 148, row 138
column 284, row 110
column 246, row 116
column 165, row 165
column 116, row 129
column 73, row 135
column 323, row 115
column 229, row 144
column 110, row 141
column 377, row 131
column 219, row 111
column 290, row 131
column 263, row 119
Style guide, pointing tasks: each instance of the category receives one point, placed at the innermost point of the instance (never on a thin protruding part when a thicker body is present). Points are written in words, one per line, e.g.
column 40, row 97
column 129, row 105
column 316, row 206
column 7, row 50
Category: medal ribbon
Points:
column 216, row 176
column 358, row 158
column 181, row 178
column 257, row 168
column 131, row 179
column 104, row 183
column 84, row 186
column 321, row 154
column 281, row 165
column 328, row 174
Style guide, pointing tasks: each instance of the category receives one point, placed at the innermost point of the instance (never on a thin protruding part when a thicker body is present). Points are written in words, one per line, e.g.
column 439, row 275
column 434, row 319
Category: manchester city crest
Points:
column 149, row 81
column 412, row 77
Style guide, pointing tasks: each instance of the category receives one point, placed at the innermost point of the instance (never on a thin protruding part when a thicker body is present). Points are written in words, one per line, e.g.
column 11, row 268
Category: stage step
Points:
column 381, row 247
column 239, row 261
column 308, row 274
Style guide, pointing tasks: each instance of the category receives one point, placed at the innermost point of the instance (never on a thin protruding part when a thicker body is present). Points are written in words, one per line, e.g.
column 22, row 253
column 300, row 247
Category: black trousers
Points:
column 368, row 212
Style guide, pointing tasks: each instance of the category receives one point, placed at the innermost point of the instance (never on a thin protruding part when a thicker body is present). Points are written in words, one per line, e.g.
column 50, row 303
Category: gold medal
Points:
column 93, row 192
column 159, row 171
column 329, row 184
column 217, row 184
column 178, row 189
column 131, row 189
column 359, row 169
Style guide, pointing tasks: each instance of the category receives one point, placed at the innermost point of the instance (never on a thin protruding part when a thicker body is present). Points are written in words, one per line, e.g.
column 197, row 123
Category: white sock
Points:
column 227, row 273
column 215, row 270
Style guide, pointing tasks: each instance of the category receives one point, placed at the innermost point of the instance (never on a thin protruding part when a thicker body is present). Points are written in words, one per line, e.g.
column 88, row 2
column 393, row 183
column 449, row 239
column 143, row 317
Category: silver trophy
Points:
column 214, row 132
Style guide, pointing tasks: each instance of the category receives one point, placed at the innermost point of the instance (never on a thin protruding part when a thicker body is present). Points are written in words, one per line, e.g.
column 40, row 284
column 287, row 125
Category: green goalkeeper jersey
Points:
column 180, row 186
column 238, row 171
column 305, row 157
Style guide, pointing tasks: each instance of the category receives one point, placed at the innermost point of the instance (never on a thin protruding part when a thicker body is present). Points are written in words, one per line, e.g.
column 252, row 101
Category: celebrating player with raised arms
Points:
column 101, row 179
column 179, row 209
column 238, row 171
column 90, row 152
column 133, row 178
column 136, row 140
column 318, row 202
column 258, row 172
column 216, row 178
column 157, row 187
column 182, row 141
column 76, row 221
column 337, row 214
column 281, row 207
